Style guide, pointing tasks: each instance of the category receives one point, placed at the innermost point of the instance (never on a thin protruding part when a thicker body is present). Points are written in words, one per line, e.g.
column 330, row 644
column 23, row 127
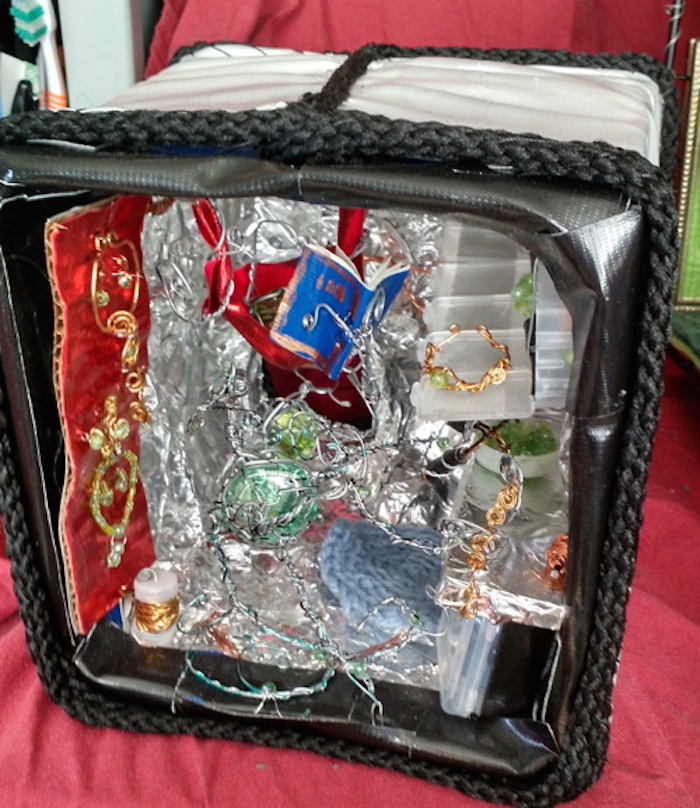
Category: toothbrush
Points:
column 35, row 23
column 30, row 24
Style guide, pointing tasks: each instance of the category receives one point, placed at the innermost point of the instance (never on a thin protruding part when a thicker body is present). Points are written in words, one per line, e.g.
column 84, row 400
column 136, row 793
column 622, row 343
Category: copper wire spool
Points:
column 153, row 618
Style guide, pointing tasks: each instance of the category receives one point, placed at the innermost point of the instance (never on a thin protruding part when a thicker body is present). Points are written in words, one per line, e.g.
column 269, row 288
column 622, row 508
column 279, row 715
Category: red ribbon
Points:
column 229, row 286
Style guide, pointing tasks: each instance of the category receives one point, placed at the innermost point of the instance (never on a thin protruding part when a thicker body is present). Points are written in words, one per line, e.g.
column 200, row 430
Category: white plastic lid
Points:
column 153, row 585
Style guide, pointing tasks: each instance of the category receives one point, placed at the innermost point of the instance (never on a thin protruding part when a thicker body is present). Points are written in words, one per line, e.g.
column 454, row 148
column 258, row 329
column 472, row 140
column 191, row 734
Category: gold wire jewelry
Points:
column 508, row 500
column 555, row 562
column 116, row 261
column 121, row 323
column 443, row 377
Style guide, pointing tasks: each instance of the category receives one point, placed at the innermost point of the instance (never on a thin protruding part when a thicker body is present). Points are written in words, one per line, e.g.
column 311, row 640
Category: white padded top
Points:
column 618, row 107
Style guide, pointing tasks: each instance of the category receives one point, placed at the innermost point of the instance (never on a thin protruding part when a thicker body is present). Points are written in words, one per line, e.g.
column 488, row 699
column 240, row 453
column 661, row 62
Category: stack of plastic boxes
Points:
column 473, row 286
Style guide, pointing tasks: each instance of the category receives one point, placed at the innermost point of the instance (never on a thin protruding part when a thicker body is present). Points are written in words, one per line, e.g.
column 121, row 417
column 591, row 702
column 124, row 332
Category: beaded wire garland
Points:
column 477, row 544
column 268, row 500
column 285, row 464
column 117, row 472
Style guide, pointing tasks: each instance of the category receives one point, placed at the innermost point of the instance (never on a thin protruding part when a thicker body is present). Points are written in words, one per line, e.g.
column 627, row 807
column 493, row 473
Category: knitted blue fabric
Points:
column 362, row 567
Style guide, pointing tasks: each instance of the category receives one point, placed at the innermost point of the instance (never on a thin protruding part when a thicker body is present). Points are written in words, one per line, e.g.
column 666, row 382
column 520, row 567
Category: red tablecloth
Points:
column 47, row 759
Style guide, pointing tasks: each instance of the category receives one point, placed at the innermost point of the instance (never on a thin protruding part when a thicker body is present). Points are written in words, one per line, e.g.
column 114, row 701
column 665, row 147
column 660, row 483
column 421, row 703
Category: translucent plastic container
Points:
column 490, row 669
column 466, row 653
column 477, row 262
column 554, row 347
column 494, row 311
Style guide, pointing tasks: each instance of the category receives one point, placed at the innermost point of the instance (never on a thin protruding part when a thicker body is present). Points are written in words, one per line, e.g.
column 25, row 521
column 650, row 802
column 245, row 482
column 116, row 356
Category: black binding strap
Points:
column 339, row 86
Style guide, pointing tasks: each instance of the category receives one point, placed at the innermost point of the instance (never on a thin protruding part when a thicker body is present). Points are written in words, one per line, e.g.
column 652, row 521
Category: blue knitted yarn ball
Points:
column 362, row 567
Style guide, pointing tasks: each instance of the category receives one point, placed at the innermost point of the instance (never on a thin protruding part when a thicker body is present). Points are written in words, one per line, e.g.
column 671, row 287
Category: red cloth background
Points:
column 594, row 26
column 48, row 759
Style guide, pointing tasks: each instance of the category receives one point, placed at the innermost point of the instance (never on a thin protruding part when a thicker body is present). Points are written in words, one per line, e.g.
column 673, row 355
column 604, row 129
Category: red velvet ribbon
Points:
column 220, row 275
column 90, row 369
column 283, row 366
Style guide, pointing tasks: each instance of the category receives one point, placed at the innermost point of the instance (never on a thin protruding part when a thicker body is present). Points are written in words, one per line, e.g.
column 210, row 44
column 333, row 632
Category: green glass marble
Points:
column 294, row 432
column 523, row 295
column 528, row 437
column 267, row 500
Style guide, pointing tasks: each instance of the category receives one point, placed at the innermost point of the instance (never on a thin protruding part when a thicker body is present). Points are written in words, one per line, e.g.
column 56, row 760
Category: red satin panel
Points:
column 89, row 369
column 221, row 275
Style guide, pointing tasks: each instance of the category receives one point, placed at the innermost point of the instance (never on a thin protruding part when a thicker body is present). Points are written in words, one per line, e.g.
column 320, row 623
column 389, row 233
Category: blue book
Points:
column 327, row 302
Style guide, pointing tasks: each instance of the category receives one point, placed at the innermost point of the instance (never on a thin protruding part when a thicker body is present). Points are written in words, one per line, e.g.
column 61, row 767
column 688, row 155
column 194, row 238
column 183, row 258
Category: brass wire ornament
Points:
column 555, row 562
column 442, row 377
column 116, row 475
column 507, row 503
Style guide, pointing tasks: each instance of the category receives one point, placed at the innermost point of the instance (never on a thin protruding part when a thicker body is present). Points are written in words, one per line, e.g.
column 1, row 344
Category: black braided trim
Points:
column 339, row 86
column 345, row 138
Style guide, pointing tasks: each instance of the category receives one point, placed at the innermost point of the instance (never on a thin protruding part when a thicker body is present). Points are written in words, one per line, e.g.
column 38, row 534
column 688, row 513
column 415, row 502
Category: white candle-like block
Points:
column 153, row 585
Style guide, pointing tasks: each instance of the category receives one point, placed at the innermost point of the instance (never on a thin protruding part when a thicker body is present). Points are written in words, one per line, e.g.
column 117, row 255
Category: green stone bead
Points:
column 96, row 439
column 122, row 481
column 102, row 298
column 359, row 669
column 131, row 351
column 121, row 429
column 439, row 378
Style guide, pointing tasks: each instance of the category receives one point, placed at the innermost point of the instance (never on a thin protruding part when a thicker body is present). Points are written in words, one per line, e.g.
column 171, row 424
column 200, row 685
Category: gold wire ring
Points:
column 443, row 377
